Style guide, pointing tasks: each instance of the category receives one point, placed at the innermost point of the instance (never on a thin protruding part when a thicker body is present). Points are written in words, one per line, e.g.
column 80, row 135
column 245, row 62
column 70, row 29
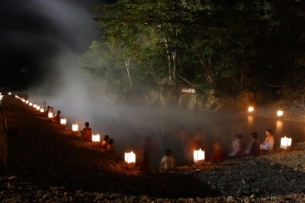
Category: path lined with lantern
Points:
column 53, row 156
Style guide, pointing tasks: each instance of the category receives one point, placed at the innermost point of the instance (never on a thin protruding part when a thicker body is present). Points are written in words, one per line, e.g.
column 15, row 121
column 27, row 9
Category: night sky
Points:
column 34, row 32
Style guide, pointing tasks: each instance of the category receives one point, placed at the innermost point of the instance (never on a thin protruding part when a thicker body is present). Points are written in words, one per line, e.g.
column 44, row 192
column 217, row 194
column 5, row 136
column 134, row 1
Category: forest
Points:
column 231, row 46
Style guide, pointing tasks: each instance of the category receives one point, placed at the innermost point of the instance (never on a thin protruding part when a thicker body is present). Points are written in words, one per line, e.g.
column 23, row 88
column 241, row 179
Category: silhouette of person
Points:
column 87, row 132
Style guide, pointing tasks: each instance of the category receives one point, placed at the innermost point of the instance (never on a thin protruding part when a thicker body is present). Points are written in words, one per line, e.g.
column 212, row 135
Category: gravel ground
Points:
column 47, row 163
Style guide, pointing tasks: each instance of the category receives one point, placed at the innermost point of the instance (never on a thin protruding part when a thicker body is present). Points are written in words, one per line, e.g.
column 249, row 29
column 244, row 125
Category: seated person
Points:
column 145, row 165
column 167, row 161
column 217, row 155
column 269, row 141
column 238, row 148
column 57, row 117
column 105, row 141
column 110, row 148
column 254, row 146
column 87, row 132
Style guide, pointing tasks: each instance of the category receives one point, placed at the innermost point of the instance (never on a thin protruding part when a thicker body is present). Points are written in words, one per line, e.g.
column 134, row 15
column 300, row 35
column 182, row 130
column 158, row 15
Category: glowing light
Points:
column 63, row 121
column 50, row 115
column 9, row 93
column 42, row 110
column 250, row 109
column 96, row 138
column 34, row 106
column 198, row 155
column 23, row 100
column 38, row 108
column 130, row 157
column 26, row 101
column 189, row 90
column 74, row 127
column 279, row 113
column 30, row 104
column 285, row 142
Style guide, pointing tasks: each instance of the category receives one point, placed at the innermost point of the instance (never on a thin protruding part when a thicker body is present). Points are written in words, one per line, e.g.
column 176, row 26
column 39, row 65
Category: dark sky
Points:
column 34, row 32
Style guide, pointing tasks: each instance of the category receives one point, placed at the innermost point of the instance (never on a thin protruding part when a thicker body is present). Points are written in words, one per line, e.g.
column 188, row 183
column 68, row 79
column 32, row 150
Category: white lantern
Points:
column 9, row 93
column 130, row 157
column 279, row 113
column 23, row 100
column 41, row 110
column 250, row 109
column 63, row 121
column 30, row 104
column 50, row 115
column 198, row 155
column 74, row 127
column 34, row 106
column 96, row 138
column 26, row 101
column 285, row 142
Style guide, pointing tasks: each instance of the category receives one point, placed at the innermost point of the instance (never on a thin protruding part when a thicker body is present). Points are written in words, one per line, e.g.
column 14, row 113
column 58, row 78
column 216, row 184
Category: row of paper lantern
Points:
column 130, row 157
column 7, row 93
column 63, row 121
column 279, row 113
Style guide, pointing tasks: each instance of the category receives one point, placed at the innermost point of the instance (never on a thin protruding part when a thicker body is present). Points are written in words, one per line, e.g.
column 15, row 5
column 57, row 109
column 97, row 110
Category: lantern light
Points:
column 41, row 110
column 30, row 104
column 96, row 138
column 9, row 93
column 23, row 100
column 26, row 101
column 38, row 107
column 130, row 157
column 279, row 113
column 285, row 142
column 63, row 121
column 250, row 109
column 198, row 155
column 74, row 127
column 50, row 115
column 34, row 106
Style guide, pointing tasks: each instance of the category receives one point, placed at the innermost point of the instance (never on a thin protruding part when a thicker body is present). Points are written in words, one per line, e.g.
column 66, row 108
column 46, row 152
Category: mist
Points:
column 79, row 95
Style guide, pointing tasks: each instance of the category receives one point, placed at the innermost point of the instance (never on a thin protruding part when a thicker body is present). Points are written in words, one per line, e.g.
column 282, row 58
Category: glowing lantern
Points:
column 30, row 104
column 23, row 100
column 16, row 96
column 279, row 113
column 63, row 121
column 198, row 155
column 250, row 109
column 41, row 110
column 50, row 115
column 26, row 101
column 285, row 142
column 96, row 138
column 34, row 106
column 9, row 93
column 130, row 157
column 74, row 127
column 38, row 108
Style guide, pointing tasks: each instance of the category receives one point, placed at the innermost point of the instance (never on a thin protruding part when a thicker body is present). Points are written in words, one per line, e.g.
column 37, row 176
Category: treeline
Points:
column 228, row 45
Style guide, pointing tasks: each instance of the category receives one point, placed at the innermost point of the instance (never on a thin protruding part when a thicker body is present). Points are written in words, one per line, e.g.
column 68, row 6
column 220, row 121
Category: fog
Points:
column 80, row 97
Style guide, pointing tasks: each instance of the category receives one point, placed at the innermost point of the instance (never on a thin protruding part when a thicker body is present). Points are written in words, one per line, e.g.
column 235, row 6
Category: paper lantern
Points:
column 42, row 110
column 285, row 142
column 96, row 138
column 279, row 113
column 74, row 127
column 198, row 155
column 250, row 109
column 30, row 104
column 130, row 157
column 23, row 100
column 63, row 121
column 34, row 106
column 26, row 101
column 38, row 108
column 50, row 115
column 9, row 93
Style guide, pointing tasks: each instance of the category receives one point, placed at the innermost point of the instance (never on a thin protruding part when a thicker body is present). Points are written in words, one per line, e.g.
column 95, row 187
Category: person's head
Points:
column 48, row 107
column 58, row 112
column 239, row 136
column 111, row 141
column 106, row 137
column 254, row 135
column 269, row 132
column 87, row 124
column 168, row 152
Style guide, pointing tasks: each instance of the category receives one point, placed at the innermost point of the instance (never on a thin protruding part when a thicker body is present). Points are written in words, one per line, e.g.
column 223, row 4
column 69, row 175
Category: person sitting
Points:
column 269, row 141
column 217, row 155
column 105, row 141
column 57, row 117
column 167, row 161
column 238, row 148
column 145, row 164
column 87, row 132
column 254, row 146
column 47, row 110
column 110, row 148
